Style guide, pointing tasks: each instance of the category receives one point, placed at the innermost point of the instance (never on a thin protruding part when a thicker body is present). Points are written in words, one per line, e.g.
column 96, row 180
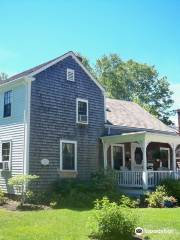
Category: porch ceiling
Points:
column 142, row 137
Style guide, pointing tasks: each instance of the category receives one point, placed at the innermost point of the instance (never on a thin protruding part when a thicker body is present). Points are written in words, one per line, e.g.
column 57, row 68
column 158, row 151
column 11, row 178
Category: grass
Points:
column 64, row 224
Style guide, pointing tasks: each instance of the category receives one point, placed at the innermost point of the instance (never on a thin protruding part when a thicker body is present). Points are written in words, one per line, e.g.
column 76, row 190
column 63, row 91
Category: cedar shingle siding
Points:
column 53, row 117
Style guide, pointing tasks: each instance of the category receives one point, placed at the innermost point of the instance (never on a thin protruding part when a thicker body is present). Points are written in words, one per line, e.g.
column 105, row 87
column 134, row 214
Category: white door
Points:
column 136, row 157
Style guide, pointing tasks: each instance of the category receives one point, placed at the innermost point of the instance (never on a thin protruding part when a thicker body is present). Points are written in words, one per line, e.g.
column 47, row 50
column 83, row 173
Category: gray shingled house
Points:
column 56, row 122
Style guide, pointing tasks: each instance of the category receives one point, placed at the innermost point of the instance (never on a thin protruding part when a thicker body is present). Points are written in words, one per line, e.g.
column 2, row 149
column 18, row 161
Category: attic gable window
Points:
column 81, row 111
column 7, row 103
column 70, row 75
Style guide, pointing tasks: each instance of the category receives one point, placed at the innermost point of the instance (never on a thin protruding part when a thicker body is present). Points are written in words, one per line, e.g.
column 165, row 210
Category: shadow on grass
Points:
column 30, row 207
column 74, row 208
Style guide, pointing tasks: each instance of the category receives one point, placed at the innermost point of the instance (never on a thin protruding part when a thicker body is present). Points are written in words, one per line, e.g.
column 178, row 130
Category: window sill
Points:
column 67, row 173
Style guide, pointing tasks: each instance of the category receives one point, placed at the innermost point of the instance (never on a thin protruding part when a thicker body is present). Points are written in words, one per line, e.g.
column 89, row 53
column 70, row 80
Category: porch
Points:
column 142, row 159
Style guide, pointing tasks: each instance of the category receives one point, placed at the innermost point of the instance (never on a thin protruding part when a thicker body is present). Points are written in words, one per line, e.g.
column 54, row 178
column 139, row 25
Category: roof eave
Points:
column 140, row 129
column 18, row 80
column 73, row 55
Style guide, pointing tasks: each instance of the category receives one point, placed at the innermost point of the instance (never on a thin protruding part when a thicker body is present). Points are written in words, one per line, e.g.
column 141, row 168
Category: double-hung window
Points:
column 82, row 111
column 7, row 104
column 5, row 155
column 68, row 155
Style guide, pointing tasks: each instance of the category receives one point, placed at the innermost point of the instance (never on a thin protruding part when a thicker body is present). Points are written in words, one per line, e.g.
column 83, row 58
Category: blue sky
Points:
column 34, row 31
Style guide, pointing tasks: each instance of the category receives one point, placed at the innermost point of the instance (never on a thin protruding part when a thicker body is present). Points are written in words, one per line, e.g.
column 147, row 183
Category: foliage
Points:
column 172, row 187
column 79, row 194
column 3, row 199
column 86, row 63
column 75, row 193
column 169, row 201
column 133, row 81
column 20, row 182
column 125, row 201
column 103, row 181
column 111, row 222
column 3, row 76
column 155, row 199
column 39, row 198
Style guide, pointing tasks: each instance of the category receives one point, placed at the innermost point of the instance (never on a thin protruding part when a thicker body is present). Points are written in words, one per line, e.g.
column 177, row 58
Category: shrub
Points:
column 169, row 202
column 3, row 199
column 104, row 181
column 155, row 199
column 111, row 222
column 172, row 188
column 40, row 198
column 20, row 182
column 76, row 193
column 128, row 202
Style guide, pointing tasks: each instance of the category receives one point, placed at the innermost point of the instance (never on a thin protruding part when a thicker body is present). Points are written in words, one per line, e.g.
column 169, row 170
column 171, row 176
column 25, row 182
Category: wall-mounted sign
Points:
column 45, row 161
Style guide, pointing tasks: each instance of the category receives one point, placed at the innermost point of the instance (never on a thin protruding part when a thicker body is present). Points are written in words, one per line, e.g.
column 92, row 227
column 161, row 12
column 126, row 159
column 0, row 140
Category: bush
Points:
column 172, row 188
column 3, row 199
column 75, row 193
column 39, row 198
column 20, row 182
column 128, row 202
column 104, row 181
column 111, row 222
column 169, row 202
column 155, row 199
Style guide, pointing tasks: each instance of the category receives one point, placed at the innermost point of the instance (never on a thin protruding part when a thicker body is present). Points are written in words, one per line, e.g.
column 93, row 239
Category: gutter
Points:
column 125, row 128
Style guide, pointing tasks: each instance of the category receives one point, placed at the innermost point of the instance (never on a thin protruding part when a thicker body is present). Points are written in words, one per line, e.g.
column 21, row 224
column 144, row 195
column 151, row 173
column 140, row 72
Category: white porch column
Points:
column 145, row 173
column 174, row 156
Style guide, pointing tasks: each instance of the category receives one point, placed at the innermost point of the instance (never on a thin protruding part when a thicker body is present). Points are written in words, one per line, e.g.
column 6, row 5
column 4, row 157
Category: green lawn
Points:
column 72, row 225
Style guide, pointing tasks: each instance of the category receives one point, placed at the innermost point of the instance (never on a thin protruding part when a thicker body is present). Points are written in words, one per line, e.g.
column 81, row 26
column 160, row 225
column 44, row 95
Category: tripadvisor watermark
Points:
column 139, row 231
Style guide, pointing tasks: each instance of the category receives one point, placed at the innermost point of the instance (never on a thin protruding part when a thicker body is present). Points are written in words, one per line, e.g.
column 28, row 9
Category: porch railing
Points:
column 129, row 178
column 136, row 178
column 155, row 177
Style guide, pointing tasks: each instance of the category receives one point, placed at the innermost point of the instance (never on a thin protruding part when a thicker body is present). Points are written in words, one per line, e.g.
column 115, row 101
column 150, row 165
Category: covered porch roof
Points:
column 142, row 137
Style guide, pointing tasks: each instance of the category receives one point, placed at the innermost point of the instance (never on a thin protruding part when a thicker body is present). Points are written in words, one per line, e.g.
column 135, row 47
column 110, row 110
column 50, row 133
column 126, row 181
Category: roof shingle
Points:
column 129, row 114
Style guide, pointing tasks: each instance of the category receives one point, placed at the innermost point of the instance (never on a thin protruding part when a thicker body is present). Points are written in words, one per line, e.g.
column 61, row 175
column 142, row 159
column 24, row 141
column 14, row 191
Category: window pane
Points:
column 68, row 156
column 8, row 97
column 7, row 110
column 7, row 103
column 6, row 151
column 82, row 108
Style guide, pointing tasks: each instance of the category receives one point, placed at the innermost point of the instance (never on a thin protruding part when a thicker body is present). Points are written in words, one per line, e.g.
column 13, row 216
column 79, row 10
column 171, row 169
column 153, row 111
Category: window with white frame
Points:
column 7, row 103
column 68, row 155
column 82, row 111
column 5, row 155
column 70, row 75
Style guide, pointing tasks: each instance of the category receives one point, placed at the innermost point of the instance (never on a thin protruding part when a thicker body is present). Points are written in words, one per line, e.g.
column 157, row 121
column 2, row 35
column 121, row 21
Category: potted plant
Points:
column 169, row 202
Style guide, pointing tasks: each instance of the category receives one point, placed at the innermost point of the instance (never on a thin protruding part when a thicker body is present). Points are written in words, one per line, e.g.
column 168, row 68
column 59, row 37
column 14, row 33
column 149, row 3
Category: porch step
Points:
column 134, row 192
